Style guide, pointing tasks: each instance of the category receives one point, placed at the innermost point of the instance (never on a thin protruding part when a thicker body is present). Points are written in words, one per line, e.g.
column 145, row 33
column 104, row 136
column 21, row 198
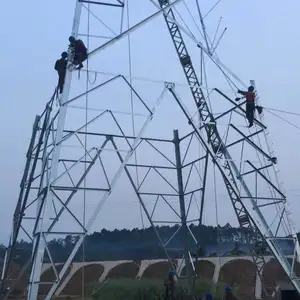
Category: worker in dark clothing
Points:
column 79, row 51
column 250, row 103
column 208, row 296
column 170, row 286
column 61, row 67
column 228, row 294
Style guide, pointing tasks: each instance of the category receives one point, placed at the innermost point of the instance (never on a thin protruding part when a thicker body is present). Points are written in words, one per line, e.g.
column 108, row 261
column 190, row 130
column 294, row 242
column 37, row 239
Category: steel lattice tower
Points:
column 54, row 176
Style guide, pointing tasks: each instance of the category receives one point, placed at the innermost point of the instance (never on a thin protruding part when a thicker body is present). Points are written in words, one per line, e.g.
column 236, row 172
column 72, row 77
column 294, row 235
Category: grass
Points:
column 149, row 289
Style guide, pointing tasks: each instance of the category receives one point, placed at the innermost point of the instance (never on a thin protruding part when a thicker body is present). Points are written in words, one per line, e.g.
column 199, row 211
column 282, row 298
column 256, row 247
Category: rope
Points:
column 185, row 24
column 283, row 119
column 210, row 9
column 206, row 85
column 132, row 108
column 194, row 21
column 97, row 18
column 217, row 212
column 283, row 111
column 85, row 155
column 131, row 102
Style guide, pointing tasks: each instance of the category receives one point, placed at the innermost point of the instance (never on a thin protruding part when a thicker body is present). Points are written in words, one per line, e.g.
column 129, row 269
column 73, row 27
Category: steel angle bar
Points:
column 132, row 29
column 172, row 236
column 148, row 166
column 168, row 203
column 93, row 89
column 76, row 163
column 193, row 191
column 194, row 161
column 135, row 92
column 267, row 180
column 117, row 136
column 73, row 188
column 188, row 177
column 252, row 143
column 203, row 190
column 229, row 111
column 120, row 128
column 154, row 207
column 157, row 194
column 166, row 180
column 163, row 155
column 269, row 204
column 144, row 178
column 77, row 185
column 119, row 4
column 66, row 137
column 26, row 233
column 69, row 175
column 116, row 112
column 69, row 211
column 243, row 139
column 187, row 148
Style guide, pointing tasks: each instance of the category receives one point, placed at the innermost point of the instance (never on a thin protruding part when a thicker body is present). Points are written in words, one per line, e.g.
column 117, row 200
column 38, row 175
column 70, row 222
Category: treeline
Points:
column 139, row 244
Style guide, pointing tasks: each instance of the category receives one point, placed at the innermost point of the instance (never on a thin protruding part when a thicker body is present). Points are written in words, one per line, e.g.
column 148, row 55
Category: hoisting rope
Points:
column 281, row 118
column 132, row 109
column 85, row 154
column 214, row 6
column 216, row 213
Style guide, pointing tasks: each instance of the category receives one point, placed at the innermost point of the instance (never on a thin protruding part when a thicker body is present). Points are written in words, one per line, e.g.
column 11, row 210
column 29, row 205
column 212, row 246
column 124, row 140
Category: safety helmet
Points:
column 64, row 54
column 228, row 288
column 171, row 273
column 251, row 88
column 71, row 39
column 208, row 296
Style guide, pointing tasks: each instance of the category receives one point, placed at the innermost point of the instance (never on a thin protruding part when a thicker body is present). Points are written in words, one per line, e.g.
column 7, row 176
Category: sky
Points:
column 261, row 43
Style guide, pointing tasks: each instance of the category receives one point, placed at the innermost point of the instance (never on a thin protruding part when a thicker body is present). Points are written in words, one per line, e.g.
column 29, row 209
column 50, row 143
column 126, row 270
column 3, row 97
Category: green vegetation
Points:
column 149, row 289
column 139, row 244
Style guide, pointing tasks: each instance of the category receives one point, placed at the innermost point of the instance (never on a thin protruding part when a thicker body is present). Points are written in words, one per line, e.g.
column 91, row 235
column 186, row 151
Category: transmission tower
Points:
column 105, row 149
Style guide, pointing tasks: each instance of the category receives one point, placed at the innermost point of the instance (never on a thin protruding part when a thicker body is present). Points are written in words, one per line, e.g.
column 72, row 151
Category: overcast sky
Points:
column 261, row 43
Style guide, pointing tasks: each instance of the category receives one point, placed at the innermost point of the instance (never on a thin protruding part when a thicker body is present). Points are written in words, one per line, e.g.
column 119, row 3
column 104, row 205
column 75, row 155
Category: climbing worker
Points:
column 228, row 294
column 208, row 296
column 250, row 103
column 61, row 67
column 170, row 285
column 79, row 51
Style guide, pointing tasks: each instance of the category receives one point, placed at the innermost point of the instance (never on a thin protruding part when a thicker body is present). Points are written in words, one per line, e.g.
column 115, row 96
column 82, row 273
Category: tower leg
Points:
column 44, row 200
column 183, row 216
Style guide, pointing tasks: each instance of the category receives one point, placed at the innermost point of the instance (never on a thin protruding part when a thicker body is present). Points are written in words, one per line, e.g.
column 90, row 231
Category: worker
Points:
column 79, row 51
column 208, row 296
column 228, row 294
column 250, row 103
column 170, row 285
column 61, row 67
